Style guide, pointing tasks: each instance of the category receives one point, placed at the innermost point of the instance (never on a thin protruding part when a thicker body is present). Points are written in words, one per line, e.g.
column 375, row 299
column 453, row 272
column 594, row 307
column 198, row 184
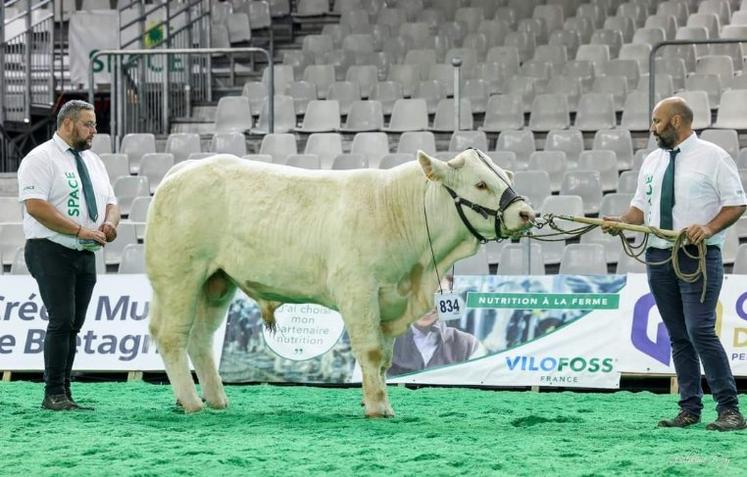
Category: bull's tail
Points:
column 268, row 313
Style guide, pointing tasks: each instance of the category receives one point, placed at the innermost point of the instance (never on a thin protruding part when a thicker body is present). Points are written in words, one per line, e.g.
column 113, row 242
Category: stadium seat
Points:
column 117, row 165
column 627, row 182
column 10, row 210
column 570, row 141
column 635, row 115
column 676, row 8
column 127, row 188
column 698, row 102
column 628, row 264
column 524, row 87
column 387, row 93
column 595, row 111
column 569, row 86
column 649, row 36
column 325, row 145
column 731, row 112
column 585, row 184
column 126, row 234
column 139, row 214
column 228, row 143
column 552, row 162
column 507, row 56
column 627, row 68
column 603, row 37
column 618, row 140
column 349, row 161
column 408, row 115
column 740, row 261
column 477, row 92
column 395, row 159
column 639, row 53
column 181, row 145
column 101, row 144
column 559, row 205
column 615, row 85
column 258, row 157
column 523, row 41
column 674, row 67
column 304, row 161
column 520, row 142
column 135, row 145
column 461, row 140
column 365, row 76
column 583, row 70
column 720, row 65
column 18, row 266
column 583, row 259
column 727, row 139
column 567, row 38
column 506, row 160
column 503, row 111
column 154, row 166
column 667, row 23
column 279, row 146
column 11, row 239
column 595, row 53
column 374, row 145
column 412, row 141
column 284, row 118
column 345, row 93
column 233, row 114
column 321, row 116
column 444, row 120
column 515, row 259
column 604, row 162
column 549, row 111
column 239, row 30
column 322, row 76
column 535, row 185
column 302, row 92
column 132, row 259
column 477, row 264
column 708, row 20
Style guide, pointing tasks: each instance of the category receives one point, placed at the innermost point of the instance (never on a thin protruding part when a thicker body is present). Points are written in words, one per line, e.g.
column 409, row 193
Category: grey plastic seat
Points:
column 569, row 86
column 154, row 166
column 233, row 114
column 408, row 115
column 302, row 92
column 618, row 140
column 477, row 91
column 135, row 145
column 740, row 261
column 132, row 259
column 321, row 116
column 239, row 30
column 412, row 141
column 604, row 37
column 583, row 70
column 349, row 161
column 181, row 145
column 709, row 83
column 461, row 140
column 395, row 159
column 387, row 93
column 444, row 120
column 477, row 264
column 583, row 259
column 622, row 24
column 628, row 264
column 345, row 93
column 117, row 165
column 604, row 162
column 10, row 210
column 364, row 116
column 127, row 188
column 139, row 214
column 635, row 115
column 515, row 260
column 126, row 235
column 627, row 182
column 595, row 53
column 595, row 111
column 373, row 145
column 585, row 184
column 256, row 93
column 19, row 267
column 432, row 92
column 638, row 52
column 552, row 162
column 325, row 145
column 558, row 205
column 503, row 111
column 365, row 76
column 731, row 112
column 535, row 185
column 228, row 143
column 284, row 118
column 506, row 160
column 615, row 85
column 322, row 76
column 701, row 106
column 727, row 139
column 279, row 146
column 304, row 161
column 407, row 75
column 520, row 142
column 11, row 239
column 550, row 111
column 101, row 144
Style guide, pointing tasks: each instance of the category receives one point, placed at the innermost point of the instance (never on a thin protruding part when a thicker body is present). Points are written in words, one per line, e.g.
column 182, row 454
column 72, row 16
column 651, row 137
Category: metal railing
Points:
column 26, row 60
column 658, row 46
column 139, row 105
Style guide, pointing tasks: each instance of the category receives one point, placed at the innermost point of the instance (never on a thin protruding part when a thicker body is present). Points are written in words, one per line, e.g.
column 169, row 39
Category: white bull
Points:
column 353, row 241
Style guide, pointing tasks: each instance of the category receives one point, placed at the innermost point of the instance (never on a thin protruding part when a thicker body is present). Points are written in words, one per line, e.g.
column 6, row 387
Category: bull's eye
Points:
column 481, row 185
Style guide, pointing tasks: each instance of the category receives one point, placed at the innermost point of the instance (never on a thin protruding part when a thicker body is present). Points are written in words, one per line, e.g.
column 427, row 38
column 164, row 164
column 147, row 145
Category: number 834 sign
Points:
column 449, row 306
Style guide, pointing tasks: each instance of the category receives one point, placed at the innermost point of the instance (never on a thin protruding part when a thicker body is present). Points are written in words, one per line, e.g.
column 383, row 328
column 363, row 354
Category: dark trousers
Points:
column 690, row 324
column 66, row 279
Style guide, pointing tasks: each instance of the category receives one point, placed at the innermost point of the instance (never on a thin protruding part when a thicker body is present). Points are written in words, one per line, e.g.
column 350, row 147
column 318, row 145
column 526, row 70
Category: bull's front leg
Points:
column 360, row 312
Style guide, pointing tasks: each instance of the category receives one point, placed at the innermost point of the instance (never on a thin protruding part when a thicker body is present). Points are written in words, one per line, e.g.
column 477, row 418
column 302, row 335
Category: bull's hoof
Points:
column 190, row 408
column 380, row 410
column 220, row 403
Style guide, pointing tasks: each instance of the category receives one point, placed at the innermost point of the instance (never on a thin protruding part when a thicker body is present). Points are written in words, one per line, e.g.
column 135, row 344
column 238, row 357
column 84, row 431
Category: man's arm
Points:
column 633, row 216
column 47, row 215
column 725, row 217
column 109, row 227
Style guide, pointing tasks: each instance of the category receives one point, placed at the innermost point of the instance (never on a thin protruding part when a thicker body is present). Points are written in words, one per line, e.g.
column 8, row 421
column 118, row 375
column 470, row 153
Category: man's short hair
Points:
column 681, row 108
column 72, row 110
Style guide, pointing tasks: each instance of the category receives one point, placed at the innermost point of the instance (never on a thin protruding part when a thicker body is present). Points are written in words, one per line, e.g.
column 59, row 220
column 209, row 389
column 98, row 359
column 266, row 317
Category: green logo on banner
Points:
column 544, row 301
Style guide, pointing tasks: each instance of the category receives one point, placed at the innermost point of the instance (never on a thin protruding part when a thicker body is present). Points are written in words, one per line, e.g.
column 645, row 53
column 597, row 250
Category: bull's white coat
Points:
column 353, row 241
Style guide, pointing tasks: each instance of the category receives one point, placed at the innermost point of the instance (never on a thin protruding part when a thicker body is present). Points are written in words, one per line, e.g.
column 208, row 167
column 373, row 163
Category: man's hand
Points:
column 610, row 228
column 109, row 230
column 90, row 234
column 698, row 233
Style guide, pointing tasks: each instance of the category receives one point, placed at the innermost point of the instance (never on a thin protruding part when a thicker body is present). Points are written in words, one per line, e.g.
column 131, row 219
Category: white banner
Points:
column 90, row 32
column 114, row 337
column 644, row 345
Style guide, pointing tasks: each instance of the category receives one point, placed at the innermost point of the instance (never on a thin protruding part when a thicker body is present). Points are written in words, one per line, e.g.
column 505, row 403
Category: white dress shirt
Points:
column 706, row 179
column 49, row 173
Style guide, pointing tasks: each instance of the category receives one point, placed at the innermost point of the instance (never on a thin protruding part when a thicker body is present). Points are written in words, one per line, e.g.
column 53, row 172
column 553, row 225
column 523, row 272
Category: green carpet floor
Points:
column 305, row 431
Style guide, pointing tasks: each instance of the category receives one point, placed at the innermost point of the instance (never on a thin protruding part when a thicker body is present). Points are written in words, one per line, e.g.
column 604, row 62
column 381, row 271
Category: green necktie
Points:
column 667, row 193
column 85, row 179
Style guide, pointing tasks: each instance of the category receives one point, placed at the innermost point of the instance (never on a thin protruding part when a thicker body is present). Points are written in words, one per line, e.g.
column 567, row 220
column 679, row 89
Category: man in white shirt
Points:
column 69, row 212
column 693, row 185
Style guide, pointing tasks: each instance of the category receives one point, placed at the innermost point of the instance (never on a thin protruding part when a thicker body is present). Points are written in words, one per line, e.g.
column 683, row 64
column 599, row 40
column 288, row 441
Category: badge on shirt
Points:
column 449, row 306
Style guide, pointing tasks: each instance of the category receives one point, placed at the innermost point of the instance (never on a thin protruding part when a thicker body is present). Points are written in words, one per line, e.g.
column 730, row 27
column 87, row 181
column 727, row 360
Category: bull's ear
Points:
column 433, row 169
column 510, row 175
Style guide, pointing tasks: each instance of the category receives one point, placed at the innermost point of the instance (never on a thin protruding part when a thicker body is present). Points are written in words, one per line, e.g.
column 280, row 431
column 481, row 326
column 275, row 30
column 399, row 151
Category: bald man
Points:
column 693, row 185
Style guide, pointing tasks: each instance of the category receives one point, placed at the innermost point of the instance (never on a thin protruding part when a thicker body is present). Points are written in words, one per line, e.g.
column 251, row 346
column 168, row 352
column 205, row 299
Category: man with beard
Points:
column 693, row 185
column 70, row 211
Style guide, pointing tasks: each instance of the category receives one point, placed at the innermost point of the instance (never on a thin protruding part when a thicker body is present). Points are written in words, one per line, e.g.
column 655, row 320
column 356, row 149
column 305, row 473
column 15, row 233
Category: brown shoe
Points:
column 683, row 419
column 58, row 402
column 728, row 420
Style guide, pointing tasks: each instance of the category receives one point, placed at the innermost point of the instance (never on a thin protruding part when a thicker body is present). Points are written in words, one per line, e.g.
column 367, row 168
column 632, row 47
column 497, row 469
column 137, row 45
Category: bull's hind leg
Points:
column 361, row 315
column 171, row 319
column 212, row 304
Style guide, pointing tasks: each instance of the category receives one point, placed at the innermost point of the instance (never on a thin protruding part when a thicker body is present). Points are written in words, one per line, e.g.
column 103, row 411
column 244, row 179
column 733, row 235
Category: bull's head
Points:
column 486, row 202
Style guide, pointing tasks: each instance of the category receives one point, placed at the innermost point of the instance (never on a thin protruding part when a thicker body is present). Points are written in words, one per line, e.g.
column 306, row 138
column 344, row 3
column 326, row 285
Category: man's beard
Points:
column 666, row 139
column 81, row 144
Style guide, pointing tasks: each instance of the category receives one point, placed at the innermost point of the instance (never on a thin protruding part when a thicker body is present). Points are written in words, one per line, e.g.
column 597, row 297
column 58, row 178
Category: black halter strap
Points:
column 508, row 197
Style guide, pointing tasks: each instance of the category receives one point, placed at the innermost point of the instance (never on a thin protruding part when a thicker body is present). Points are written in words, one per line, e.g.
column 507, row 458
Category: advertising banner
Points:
column 114, row 337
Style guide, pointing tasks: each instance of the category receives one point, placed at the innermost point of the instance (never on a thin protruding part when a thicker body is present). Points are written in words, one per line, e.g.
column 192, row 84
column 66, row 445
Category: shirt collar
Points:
column 59, row 142
column 688, row 144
